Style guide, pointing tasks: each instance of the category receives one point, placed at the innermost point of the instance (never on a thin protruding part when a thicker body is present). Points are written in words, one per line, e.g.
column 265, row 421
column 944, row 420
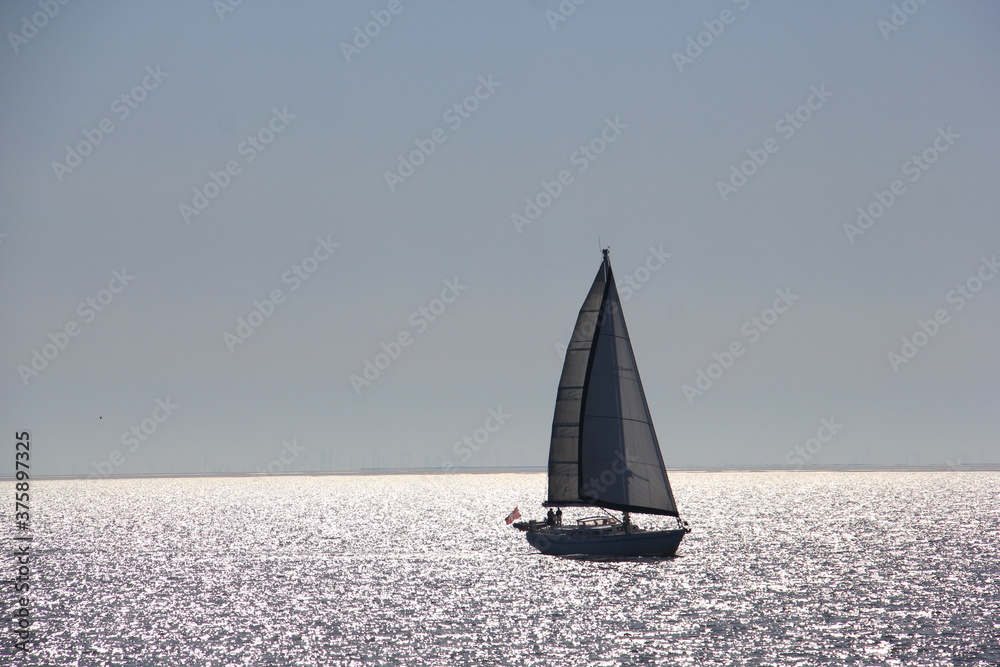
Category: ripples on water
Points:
column 781, row 569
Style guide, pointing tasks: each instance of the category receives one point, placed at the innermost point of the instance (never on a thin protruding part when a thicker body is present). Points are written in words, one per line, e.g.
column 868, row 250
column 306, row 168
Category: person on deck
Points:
column 559, row 517
column 550, row 518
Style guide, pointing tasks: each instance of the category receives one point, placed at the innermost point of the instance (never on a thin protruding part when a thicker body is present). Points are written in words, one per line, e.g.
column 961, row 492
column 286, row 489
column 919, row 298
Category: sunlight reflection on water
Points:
column 782, row 569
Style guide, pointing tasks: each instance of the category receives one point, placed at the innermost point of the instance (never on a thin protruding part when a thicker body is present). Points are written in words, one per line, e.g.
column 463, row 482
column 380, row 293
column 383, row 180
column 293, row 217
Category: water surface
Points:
column 793, row 568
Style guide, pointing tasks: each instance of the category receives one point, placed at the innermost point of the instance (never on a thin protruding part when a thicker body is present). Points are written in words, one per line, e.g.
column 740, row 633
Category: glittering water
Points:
column 781, row 569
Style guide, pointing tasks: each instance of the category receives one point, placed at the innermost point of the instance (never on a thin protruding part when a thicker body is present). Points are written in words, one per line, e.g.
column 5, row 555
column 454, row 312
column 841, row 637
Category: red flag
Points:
column 513, row 516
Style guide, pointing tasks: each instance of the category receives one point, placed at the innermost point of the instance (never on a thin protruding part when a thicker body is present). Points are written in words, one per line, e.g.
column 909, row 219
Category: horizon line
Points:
column 845, row 467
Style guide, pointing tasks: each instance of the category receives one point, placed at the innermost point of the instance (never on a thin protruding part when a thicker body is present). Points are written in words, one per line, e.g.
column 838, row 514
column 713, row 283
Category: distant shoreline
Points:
column 988, row 467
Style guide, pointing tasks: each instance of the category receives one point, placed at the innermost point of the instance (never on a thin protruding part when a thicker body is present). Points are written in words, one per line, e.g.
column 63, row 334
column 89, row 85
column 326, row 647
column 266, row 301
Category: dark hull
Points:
column 646, row 543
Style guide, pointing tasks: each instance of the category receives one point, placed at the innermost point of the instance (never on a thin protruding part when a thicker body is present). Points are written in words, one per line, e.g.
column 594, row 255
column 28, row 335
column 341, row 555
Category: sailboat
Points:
column 604, row 452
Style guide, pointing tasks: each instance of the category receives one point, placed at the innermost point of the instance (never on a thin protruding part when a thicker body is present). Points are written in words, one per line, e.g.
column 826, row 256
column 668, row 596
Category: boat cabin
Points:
column 596, row 522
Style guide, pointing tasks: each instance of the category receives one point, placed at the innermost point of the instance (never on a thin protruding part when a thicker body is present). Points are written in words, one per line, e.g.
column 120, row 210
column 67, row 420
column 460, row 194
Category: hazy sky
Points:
column 164, row 166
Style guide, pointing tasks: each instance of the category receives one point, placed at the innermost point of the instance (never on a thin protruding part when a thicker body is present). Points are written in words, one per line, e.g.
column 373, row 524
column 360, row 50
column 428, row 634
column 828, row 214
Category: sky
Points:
column 260, row 236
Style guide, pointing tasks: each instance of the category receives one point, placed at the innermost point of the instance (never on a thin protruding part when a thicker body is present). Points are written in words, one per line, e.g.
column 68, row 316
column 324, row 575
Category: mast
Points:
column 618, row 398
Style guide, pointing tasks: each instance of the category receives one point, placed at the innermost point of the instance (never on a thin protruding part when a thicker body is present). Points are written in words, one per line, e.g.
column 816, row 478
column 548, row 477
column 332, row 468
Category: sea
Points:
column 781, row 568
